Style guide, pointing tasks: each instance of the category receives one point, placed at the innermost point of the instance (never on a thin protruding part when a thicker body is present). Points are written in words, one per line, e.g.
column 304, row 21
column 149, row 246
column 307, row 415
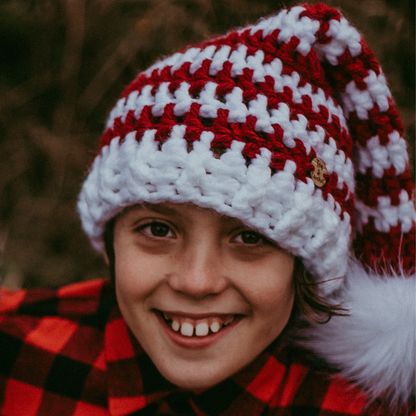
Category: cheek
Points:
column 133, row 280
column 270, row 281
column 138, row 274
column 276, row 303
column 270, row 290
column 274, row 308
column 133, row 274
column 134, row 284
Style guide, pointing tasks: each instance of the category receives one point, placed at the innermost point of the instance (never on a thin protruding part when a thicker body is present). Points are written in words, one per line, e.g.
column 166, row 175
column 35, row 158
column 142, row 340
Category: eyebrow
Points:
column 161, row 209
column 226, row 218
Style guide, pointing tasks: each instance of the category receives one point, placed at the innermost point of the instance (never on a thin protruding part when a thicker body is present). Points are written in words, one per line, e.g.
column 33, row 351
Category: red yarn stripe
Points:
column 307, row 66
column 369, row 189
column 323, row 14
column 380, row 250
column 379, row 124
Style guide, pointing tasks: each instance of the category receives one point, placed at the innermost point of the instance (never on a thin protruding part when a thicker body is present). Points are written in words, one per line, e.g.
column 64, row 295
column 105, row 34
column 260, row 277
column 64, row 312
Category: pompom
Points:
column 375, row 345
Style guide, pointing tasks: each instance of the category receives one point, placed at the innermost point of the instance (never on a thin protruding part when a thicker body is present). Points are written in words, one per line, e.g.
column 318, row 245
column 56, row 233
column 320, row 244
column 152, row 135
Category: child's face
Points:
column 182, row 271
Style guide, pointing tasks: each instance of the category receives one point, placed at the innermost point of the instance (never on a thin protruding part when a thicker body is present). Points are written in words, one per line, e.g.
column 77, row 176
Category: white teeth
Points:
column 202, row 329
column 175, row 326
column 187, row 329
column 215, row 326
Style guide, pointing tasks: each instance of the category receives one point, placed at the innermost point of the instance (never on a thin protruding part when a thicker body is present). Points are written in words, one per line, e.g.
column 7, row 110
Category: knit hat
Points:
column 289, row 126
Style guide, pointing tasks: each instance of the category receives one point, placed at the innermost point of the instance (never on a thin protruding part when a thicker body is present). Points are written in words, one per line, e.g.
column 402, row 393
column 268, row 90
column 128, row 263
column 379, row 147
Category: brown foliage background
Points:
column 63, row 64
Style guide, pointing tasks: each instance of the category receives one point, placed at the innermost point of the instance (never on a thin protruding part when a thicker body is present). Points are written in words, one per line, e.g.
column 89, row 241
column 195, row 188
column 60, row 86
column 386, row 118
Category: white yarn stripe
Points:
column 284, row 17
column 290, row 25
column 342, row 33
column 210, row 103
column 238, row 112
column 288, row 211
column 357, row 100
column 136, row 101
column 319, row 99
column 343, row 36
column 176, row 60
column 386, row 215
column 362, row 101
column 238, row 59
column 162, row 98
column 379, row 157
column 336, row 161
column 378, row 89
column 204, row 54
column 221, row 55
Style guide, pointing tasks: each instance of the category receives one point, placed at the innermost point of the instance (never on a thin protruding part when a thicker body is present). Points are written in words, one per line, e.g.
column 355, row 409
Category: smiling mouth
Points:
column 197, row 327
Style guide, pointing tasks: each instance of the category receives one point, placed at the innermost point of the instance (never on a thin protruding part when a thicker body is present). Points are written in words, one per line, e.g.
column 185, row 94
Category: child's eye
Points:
column 249, row 237
column 157, row 229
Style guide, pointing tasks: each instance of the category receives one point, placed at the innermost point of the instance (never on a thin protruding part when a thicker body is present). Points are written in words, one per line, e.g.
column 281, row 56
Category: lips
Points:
column 197, row 327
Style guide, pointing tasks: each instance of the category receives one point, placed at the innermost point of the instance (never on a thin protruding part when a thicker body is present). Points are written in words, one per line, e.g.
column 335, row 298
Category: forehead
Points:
column 180, row 211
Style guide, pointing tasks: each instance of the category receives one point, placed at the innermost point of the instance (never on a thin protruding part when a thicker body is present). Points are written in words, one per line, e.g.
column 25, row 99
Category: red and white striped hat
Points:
column 289, row 126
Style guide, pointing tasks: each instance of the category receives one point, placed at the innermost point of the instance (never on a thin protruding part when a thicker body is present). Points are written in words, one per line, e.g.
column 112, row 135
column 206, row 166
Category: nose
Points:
column 199, row 272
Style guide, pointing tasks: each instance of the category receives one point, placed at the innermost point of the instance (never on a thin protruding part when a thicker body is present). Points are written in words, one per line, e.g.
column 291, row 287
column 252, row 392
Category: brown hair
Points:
column 307, row 300
column 109, row 247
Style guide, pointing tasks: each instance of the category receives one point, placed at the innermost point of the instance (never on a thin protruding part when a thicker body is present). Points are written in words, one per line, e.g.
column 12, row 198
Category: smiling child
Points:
column 210, row 294
column 252, row 198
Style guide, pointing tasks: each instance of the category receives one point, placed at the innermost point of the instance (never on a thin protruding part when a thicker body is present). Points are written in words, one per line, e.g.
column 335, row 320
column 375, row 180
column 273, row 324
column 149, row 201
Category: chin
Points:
column 196, row 377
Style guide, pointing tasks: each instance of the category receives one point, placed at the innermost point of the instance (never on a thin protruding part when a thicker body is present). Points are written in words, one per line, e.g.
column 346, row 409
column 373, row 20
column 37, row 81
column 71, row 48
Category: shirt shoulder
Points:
column 52, row 343
column 313, row 387
column 72, row 301
column 45, row 317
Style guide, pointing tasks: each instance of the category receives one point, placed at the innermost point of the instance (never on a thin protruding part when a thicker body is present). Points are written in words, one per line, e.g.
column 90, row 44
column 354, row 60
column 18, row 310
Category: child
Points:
column 260, row 240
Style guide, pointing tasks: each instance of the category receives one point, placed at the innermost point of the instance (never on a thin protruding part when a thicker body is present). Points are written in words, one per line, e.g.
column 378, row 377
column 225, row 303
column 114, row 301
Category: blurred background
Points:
column 63, row 64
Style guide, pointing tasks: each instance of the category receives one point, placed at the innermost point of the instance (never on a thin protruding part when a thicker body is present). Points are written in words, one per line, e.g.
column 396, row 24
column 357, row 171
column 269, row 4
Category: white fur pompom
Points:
column 375, row 345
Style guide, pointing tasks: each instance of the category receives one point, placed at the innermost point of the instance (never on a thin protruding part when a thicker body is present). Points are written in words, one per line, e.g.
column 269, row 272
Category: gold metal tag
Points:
column 319, row 171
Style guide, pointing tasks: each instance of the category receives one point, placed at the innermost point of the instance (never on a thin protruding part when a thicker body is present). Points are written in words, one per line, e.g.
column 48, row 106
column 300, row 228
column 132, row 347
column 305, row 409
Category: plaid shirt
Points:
column 69, row 352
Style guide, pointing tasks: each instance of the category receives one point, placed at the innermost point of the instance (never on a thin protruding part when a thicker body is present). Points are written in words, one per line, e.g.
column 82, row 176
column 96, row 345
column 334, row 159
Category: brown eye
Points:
column 250, row 237
column 155, row 230
column 158, row 229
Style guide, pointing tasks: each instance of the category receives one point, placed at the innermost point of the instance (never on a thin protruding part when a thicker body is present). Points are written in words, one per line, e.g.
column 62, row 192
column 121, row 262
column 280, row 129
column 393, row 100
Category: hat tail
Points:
column 375, row 345
column 384, row 209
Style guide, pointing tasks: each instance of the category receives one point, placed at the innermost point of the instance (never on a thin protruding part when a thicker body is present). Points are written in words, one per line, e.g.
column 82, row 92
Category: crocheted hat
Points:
column 289, row 126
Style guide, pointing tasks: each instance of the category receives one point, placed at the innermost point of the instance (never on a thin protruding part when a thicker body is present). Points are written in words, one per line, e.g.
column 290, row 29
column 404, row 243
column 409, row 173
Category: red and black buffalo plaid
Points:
column 69, row 352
